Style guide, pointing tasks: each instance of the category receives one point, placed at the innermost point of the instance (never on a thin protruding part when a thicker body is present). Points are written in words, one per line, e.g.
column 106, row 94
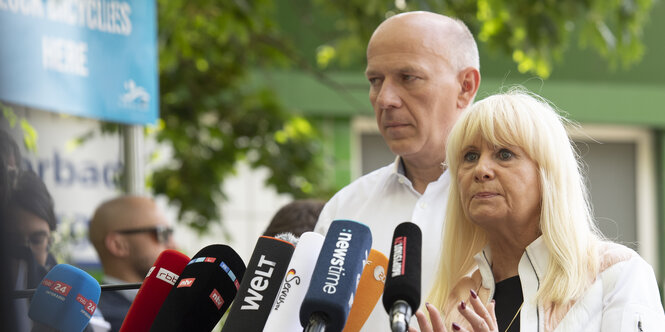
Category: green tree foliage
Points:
column 535, row 33
column 215, row 114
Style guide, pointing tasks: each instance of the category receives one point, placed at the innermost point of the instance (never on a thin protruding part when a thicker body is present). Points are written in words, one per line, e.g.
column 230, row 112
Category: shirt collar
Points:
column 536, row 254
column 399, row 171
column 129, row 294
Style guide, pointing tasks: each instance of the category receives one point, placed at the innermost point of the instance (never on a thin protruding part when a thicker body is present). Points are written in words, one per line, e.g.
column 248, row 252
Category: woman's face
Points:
column 499, row 186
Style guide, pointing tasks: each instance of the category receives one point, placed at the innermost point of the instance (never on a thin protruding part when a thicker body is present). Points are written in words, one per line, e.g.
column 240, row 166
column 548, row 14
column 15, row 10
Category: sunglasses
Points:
column 32, row 240
column 162, row 233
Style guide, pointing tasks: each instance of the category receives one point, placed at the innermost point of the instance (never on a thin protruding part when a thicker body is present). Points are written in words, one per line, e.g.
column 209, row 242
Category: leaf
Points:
column 29, row 136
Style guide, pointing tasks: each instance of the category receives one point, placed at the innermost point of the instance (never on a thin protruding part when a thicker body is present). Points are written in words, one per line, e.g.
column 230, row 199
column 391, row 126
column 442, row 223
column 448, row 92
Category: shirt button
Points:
column 401, row 180
column 423, row 205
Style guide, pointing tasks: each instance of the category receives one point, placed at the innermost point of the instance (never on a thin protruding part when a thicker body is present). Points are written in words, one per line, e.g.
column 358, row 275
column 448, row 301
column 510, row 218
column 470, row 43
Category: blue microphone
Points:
column 336, row 276
column 65, row 299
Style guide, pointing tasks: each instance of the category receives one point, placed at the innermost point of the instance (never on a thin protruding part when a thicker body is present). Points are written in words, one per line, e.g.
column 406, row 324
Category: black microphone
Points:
column 401, row 295
column 258, row 290
column 336, row 276
column 203, row 291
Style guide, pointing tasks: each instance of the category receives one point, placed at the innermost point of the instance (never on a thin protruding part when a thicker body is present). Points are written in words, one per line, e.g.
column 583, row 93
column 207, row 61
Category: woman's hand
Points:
column 481, row 318
column 423, row 322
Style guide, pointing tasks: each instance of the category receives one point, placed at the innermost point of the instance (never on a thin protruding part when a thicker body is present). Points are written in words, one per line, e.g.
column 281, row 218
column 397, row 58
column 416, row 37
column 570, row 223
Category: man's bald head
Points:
column 122, row 213
column 439, row 34
column 123, row 231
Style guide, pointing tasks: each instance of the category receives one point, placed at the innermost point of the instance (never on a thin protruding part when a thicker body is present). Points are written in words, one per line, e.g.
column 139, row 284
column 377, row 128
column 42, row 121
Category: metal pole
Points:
column 133, row 152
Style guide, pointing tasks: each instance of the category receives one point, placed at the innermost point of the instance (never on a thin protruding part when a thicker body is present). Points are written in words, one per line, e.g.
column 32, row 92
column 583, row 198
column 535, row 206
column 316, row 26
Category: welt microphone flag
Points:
column 336, row 276
column 284, row 313
column 258, row 290
column 65, row 299
column 203, row 292
column 401, row 296
column 369, row 291
column 155, row 288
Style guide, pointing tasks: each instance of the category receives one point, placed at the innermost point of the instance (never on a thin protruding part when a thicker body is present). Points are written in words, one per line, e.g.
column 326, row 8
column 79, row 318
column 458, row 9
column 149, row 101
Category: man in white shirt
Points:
column 129, row 233
column 423, row 70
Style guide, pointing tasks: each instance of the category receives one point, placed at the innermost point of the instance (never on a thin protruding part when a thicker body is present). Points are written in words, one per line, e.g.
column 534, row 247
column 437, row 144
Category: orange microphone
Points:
column 369, row 291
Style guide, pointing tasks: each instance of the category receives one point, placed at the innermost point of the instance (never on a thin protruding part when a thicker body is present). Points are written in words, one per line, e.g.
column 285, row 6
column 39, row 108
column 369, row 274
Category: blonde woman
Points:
column 520, row 249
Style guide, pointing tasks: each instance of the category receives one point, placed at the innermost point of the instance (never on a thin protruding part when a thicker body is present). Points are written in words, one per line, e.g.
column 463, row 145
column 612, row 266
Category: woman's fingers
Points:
column 491, row 308
column 477, row 323
column 424, row 324
column 480, row 318
column 435, row 317
column 482, row 311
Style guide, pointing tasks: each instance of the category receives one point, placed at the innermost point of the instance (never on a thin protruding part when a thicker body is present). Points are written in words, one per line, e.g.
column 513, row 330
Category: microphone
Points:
column 401, row 296
column 284, row 314
column 203, row 292
column 336, row 276
column 27, row 293
column 156, row 287
column 369, row 291
column 65, row 299
column 258, row 290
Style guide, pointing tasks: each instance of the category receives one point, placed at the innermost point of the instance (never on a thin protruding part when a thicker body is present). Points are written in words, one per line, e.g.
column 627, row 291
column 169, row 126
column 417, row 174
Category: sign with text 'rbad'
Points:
column 91, row 58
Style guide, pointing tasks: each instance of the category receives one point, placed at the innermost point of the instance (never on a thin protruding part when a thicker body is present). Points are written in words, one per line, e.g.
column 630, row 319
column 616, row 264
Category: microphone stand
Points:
column 400, row 313
column 26, row 293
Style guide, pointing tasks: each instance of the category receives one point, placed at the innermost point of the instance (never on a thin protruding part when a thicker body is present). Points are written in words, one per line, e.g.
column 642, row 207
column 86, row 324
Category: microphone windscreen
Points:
column 369, row 291
column 404, row 268
column 203, row 292
column 337, row 274
column 258, row 290
column 284, row 314
column 155, row 288
column 65, row 299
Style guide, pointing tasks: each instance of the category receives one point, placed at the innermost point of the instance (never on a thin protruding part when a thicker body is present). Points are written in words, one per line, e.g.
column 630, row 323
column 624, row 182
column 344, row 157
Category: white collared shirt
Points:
column 382, row 200
column 129, row 294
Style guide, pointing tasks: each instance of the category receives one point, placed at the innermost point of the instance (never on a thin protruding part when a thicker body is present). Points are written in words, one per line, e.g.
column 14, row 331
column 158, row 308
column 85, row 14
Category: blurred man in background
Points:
column 129, row 233
column 32, row 219
column 296, row 217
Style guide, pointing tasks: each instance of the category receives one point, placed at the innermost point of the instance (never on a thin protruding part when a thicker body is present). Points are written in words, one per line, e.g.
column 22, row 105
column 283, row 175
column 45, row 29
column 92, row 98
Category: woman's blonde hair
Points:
column 519, row 118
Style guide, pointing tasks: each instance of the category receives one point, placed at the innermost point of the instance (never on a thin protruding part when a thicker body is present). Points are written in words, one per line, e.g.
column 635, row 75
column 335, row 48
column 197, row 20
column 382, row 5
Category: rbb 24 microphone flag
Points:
column 401, row 296
column 66, row 299
column 155, row 288
column 369, row 291
column 284, row 316
column 203, row 292
column 336, row 276
column 258, row 290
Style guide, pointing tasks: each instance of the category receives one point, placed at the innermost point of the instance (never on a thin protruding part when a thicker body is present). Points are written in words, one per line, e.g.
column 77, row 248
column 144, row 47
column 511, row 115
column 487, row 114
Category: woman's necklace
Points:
column 512, row 320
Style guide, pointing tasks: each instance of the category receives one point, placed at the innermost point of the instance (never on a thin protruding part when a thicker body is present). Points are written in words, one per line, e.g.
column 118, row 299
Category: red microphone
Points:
column 156, row 286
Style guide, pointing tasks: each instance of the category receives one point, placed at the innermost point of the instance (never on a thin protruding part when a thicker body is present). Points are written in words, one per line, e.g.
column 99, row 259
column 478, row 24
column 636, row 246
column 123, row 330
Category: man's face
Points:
column 146, row 246
column 414, row 92
column 32, row 231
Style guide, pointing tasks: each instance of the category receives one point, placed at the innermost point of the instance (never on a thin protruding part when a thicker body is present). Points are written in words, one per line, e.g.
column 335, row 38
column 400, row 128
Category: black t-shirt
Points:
column 508, row 297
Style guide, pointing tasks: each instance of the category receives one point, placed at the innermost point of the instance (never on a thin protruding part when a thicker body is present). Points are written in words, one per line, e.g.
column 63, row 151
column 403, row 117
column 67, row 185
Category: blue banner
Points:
column 90, row 58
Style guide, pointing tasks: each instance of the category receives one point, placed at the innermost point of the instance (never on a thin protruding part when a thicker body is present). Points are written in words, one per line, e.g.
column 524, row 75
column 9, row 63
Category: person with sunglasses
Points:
column 30, row 220
column 129, row 233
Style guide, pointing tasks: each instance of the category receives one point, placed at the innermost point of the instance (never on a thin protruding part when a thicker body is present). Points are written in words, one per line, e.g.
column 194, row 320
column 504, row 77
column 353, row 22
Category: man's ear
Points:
column 469, row 79
column 116, row 244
